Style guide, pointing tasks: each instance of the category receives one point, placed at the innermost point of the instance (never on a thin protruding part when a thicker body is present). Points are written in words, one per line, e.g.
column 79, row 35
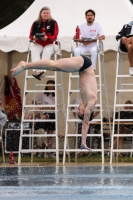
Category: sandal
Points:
column 38, row 75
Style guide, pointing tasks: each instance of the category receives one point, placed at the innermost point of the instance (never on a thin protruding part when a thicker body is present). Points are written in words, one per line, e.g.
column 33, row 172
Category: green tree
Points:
column 131, row 1
column 10, row 10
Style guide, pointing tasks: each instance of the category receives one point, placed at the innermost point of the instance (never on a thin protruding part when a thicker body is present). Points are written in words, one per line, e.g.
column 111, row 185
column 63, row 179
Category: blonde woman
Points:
column 43, row 44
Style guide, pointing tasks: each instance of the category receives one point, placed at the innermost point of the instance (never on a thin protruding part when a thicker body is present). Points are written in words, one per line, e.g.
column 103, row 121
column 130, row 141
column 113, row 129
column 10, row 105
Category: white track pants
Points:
column 37, row 50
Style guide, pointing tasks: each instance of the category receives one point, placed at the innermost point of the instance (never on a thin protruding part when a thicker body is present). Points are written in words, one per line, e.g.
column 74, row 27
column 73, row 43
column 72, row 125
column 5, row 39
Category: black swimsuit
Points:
column 87, row 63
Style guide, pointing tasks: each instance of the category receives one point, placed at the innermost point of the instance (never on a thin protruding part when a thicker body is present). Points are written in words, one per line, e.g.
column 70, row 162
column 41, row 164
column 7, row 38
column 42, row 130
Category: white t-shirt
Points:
column 45, row 100
column 94, row 31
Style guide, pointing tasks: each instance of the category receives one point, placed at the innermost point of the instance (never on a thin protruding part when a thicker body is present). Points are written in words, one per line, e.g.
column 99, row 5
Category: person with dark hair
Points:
column 90, row 32
column 126, row 43
column 48, row 27
column 87, row 83
column 47, row 98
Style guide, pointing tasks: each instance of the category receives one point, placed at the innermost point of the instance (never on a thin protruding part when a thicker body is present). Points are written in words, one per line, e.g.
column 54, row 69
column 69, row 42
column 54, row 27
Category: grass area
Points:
column 84, row 159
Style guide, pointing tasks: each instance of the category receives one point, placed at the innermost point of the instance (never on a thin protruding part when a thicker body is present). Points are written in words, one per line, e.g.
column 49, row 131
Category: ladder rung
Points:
column 74, row 90
column 124, row 105
column 124, row 90
column 41, row 110
column 122, row 135
column 79, row 135
column 38, row 106
column 39, row 120
column 126, row 84
column 122, row 150
column 77, row 150
column 39, row 135
column 49, row 85
column 38, row 91
column 37, row 150
column 74, row 76
column 123, row 120
column 126, row 76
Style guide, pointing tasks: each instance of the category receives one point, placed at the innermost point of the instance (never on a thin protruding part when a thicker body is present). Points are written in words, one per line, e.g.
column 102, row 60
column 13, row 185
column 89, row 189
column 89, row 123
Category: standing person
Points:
column 126, row 36
column 87, row 83
column 46, row 25
column 47, row 98
column 93, row 30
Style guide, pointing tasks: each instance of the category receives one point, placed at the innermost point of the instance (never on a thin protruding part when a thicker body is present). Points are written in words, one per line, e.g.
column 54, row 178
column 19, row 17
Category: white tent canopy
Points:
column 111, row 14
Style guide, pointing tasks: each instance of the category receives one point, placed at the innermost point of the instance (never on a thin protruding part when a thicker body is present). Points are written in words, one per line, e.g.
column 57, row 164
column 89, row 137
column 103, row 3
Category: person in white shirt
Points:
column 93, row 30
column 47, row 98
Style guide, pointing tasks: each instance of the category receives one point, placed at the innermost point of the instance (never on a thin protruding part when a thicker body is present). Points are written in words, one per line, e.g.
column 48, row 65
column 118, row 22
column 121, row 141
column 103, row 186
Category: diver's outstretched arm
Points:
column 85, row 124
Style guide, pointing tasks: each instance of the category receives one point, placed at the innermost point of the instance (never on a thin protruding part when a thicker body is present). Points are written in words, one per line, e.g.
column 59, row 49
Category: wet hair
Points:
column 82, row 116
column 46, row 88
column 92, row 11
column 39, row 19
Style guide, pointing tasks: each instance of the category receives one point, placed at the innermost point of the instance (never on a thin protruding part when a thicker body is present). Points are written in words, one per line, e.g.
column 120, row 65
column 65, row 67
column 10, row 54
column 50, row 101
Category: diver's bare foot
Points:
column 17, row 70
column 85, row 147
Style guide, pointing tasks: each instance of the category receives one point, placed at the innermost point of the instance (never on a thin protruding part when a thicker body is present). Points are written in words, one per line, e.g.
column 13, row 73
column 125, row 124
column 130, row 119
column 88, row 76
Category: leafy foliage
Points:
column 10, row 10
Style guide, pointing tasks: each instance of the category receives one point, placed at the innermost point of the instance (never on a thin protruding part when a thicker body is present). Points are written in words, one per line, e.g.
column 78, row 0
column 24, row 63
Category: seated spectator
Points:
column 90, row 29
column 47, row 98
column 123, row 129
column 46, row 25
column 126, row 36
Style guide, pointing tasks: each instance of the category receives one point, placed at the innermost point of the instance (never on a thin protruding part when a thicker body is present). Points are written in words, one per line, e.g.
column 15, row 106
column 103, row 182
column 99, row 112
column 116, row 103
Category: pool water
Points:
column 63, row 183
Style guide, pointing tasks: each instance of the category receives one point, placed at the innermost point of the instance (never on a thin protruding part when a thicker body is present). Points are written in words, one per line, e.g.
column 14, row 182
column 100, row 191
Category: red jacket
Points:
column 51, row 31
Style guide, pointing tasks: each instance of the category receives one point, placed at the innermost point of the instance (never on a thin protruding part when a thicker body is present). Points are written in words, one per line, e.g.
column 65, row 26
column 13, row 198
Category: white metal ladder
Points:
column 70, row 90
column 31, row 108
column 119, row 90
